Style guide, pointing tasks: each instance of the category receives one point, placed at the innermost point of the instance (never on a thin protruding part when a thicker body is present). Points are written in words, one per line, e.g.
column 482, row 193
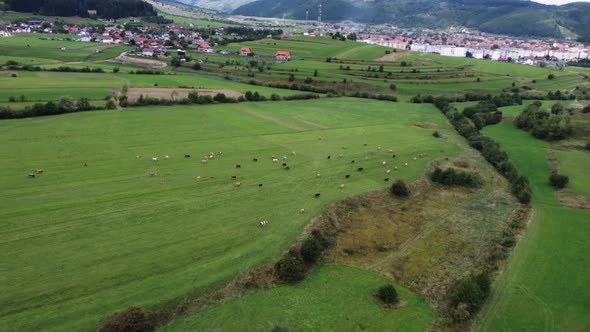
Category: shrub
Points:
column 436, row 134
column 587, row 146
column 116, row 70
column 197, row 66
column 558, row 181
column 133, row 319
column 12, row 99
column 586, row 109
column 468, row 292
column 387, row 294
column 13, row 75
column 400, row 188
column 111, row 104
column 290, row 269
column 450, row 177
column 275, row 97
column 311, row 249
column 550, row 76
column 278, row 328
column 392, row 86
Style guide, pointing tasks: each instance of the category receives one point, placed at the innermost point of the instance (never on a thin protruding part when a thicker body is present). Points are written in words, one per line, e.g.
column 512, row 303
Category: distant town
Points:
column 157, row 40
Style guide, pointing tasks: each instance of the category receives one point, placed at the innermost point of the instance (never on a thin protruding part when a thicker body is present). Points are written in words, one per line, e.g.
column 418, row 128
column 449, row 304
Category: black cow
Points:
column 360, row 169
column 347, row 176
column 386, row 179
column 317, row 195
column 187, row 155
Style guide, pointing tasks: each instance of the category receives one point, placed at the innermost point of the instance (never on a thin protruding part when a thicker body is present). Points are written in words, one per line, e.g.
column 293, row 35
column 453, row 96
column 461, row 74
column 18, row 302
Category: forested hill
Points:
column 511, row 17
column 104, row 8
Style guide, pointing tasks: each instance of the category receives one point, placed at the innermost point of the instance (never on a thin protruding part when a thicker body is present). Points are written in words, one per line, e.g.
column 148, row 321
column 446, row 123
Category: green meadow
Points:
column 544, row 285
column 86, row 241
column 331, row 298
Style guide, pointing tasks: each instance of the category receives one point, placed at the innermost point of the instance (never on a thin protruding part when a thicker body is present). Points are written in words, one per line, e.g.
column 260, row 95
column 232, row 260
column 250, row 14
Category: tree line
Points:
column 111, row 9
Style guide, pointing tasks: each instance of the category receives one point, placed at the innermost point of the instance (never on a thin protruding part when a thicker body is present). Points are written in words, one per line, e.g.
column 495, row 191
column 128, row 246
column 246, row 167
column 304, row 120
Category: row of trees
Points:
column 104, row 8
column 489, row 149
column 63, row 105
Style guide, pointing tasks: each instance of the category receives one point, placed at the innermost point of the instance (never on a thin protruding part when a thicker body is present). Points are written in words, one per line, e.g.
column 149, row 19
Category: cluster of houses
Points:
column 481, row 46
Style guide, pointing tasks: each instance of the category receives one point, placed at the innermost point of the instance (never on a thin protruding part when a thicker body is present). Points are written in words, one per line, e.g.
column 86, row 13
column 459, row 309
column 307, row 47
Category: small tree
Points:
column 133, row 319
column 111, row 104
column 550, row 76
column 588, row 146
column 558, row 181
column 116, row 70
column 196, row 66
column 311, row 249
column 176, row 62
column 392, row 86
column 315, row 73
column 400, row 188
column 387, row 294
column 436, row 134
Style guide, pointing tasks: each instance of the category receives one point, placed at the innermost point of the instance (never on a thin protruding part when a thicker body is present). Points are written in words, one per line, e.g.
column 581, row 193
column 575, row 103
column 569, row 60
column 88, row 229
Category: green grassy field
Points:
column 332, row 298
column 544, row 286
column 570, row 164
column 45, row 86
column 308, row 47
column 83, row 242
column 32, row 46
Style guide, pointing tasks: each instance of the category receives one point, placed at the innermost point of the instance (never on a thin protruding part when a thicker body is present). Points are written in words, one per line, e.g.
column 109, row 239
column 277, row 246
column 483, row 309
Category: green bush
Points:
column 400, row 188
column 587, row 146
column 451, row 177
column 290, row 269
column 311, row 249
column 133, row 319
column 387, row 294
column 558, row 181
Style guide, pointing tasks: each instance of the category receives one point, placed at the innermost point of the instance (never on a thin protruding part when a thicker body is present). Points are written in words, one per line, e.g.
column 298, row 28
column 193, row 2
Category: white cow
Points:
column 263, row 223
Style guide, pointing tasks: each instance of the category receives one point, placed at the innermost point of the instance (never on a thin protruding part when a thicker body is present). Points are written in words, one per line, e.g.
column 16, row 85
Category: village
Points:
column 160, row 40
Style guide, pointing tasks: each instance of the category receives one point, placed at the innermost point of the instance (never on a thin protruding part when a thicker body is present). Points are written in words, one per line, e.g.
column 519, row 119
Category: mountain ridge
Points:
column 510, row 17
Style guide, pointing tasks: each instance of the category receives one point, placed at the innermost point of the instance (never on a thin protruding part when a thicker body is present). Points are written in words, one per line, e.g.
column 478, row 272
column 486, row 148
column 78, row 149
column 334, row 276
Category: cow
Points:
column 393, row 156
column 234, row 177
column 384, row 163
column 360, row 169
column 352, row 162
column 347, row 176
column 260, row 184
column 39, row 171
column 238, row 166
column 317, row 195
column 388, row 171
column 255, row 160
column 238, row 184
column 187, row 155
column 386, row 179
column 318, row 175
column 154, row 158
column 167, row 157
column 263, row 223
column 31, row 175
column 275, row 160
column 205, row 161
column 284, row 164
column 284, row 157
column 138, row 157
column 378, row 148
column 406, row 164
column 294, row 152
column 301, row 210
column 329, row 157
column 152, row 173
column 341, row 186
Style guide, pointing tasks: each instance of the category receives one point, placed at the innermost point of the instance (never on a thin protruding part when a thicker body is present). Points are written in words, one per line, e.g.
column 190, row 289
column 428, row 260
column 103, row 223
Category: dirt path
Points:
column 148, row 63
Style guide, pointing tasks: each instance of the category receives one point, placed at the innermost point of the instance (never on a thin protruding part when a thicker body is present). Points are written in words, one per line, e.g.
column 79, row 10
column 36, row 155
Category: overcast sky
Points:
column 559, row 2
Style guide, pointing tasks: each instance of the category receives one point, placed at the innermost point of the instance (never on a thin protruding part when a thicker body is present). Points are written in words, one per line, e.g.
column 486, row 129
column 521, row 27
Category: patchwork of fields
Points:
column 94, row 232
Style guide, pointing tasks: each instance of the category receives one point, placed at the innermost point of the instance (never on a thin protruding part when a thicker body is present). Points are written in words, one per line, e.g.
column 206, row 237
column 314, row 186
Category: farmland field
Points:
column 321, row 302
column 96, row 238
column 543, row 288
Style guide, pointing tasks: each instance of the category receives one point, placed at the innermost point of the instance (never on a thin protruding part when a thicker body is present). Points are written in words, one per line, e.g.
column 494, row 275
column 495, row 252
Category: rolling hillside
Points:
column 512, row 17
